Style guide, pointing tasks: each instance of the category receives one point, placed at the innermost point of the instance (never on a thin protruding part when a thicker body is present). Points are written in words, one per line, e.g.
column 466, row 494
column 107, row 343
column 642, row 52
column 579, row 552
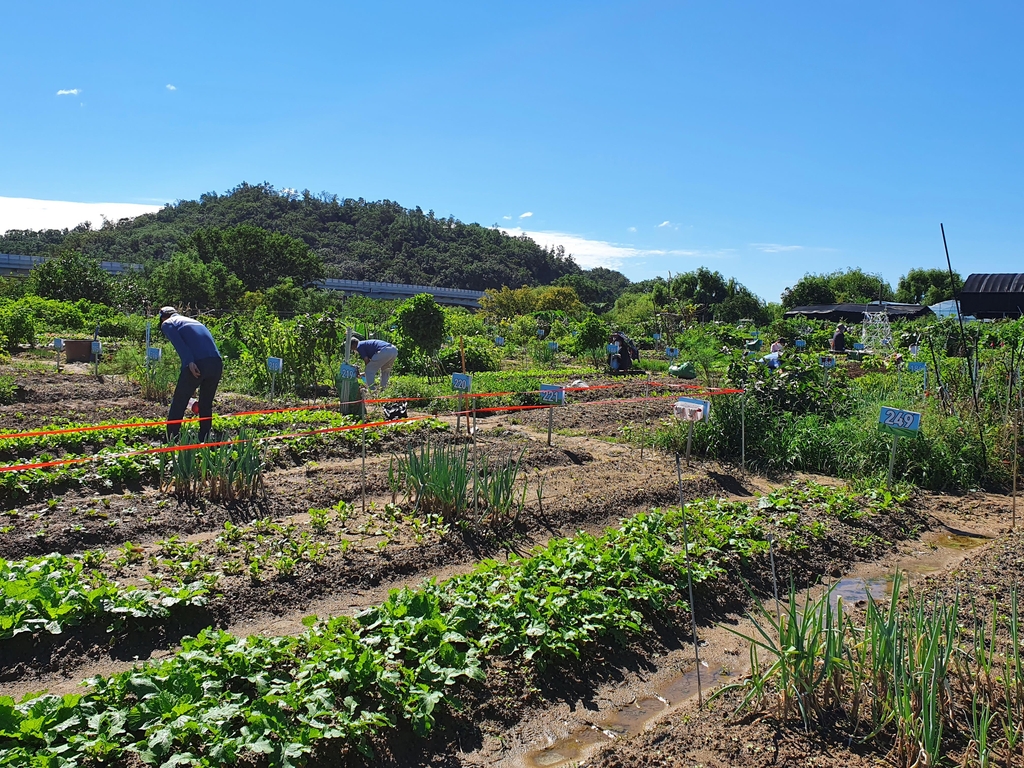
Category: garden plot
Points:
column 476, row 666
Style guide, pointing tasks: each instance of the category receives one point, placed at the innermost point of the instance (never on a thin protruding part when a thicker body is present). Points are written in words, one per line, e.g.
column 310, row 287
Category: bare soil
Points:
column 619, row 706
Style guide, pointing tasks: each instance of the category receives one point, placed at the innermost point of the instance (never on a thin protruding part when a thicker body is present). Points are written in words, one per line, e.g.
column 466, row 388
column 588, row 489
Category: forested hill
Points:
column 356, row 239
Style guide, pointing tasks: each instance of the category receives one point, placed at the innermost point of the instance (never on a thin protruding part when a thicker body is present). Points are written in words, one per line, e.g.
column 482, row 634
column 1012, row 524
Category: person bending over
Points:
column 201, row 366
column 378, row 356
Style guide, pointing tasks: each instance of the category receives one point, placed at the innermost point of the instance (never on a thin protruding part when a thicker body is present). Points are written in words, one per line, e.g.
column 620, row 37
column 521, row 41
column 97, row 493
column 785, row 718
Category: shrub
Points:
column 480, row 356
column 17, row 325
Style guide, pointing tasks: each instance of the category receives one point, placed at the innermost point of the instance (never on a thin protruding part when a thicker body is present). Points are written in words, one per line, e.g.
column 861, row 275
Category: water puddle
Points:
column 855, row 590
column 958, row 541
column 626, row 721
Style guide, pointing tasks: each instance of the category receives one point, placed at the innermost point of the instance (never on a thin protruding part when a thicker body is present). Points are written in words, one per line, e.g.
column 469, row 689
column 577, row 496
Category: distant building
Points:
column 854, row 313
column 993, row 295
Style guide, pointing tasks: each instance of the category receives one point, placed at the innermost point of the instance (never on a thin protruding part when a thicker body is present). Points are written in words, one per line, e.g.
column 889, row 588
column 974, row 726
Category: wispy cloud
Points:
column 600, row 253
column 507, row 218
column 170, row 87
column 665, row 223
column 27, row 213
column 526, row 215
column 775, row 247
column 69, row 91
column 631, row 229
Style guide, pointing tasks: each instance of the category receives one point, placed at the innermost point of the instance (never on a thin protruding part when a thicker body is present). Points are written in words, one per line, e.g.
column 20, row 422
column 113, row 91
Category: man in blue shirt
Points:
column 378, row 356
column 201, row 366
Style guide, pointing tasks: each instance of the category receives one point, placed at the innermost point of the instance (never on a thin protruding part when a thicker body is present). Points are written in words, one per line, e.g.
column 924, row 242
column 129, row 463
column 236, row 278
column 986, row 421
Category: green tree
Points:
column 260, row 259
column 809, row 290
column 559, row 299
column 703, row 288
column 187, row 281
column 507, row 302
column 741, row 305
column 285, row 297
column 70, row 276
column 855, row 285
column 421, row 321
column 927, row 286
column 591, row 338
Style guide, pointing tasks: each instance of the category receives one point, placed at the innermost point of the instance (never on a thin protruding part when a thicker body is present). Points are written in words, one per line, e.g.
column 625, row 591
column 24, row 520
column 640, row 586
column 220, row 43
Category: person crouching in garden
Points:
column 201, row 366
column 378, row 355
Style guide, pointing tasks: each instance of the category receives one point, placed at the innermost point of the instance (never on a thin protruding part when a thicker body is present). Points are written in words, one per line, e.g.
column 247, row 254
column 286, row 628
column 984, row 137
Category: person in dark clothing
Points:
column 839, row 339
column 622, row 360
column 378, row 355
column 201, row 366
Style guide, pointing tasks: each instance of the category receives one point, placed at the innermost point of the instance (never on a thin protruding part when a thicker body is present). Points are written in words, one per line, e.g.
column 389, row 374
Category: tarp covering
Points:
column 993, row 295
column 854, row 313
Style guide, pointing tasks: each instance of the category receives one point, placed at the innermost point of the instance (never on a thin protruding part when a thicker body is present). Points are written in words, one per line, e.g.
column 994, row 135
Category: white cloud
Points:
column 170, row 87
column 631, row 229
column 775, row 247
column 507, row 218
column 600, row 253
column 69, row 91
column 665, row 223
column 26, row 213
column 526, row 215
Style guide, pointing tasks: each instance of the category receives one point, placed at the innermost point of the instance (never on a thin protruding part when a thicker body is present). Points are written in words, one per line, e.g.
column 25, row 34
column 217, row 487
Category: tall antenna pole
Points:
column 967, row 350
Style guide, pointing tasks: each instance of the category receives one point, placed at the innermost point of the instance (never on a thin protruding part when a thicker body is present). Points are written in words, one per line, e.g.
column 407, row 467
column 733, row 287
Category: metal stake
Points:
column 363, row 483
column 743, row 431
column 689, row 443
column 689, row 580
column 775, row 579
column 551, row 422
column 643, row 434
column 892, row 460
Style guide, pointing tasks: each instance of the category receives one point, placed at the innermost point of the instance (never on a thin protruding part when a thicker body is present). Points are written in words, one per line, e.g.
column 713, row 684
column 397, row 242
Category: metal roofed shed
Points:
column 993, row 295
column 854, row 313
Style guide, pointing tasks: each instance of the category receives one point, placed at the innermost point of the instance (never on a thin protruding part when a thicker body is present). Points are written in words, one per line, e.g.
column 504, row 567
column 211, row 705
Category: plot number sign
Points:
column 800, row 343
column 347, row 371
column 58, row 344
column 899, row 423
column 153, row 354
column 916, row 367
column 671, row 352
column 462, row 382
column 611, row 349
column 553, row 346
column 499, row 340
column 691, row 409
column 97, row 347
column 827, row 361
column 552, row 394
column 275, row 364
column 657, row 337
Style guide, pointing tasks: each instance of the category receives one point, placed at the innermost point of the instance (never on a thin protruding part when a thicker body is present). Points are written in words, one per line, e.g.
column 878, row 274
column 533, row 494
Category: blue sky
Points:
column 764, row 140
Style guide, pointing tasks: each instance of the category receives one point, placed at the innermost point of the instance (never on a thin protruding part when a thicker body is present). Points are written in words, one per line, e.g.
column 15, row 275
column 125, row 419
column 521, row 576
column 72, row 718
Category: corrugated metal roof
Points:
column 993, row 295
column 996, row 282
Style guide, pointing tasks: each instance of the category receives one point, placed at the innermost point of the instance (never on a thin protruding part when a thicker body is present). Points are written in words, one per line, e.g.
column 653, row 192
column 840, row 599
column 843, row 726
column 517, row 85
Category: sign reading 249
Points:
column 899, row 423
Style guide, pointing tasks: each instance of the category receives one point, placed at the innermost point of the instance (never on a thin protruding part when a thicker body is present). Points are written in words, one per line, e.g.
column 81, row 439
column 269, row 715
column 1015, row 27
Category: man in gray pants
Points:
column 201, row 366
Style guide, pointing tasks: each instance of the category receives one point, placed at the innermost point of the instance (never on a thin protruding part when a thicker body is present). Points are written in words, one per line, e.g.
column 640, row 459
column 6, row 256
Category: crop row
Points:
column 54, row 592
column 110, row 468
column 346, row 680
column 78, row 441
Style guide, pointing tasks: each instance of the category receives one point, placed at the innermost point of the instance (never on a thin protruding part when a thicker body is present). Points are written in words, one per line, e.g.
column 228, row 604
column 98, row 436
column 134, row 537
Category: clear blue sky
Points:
column 773, row 138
